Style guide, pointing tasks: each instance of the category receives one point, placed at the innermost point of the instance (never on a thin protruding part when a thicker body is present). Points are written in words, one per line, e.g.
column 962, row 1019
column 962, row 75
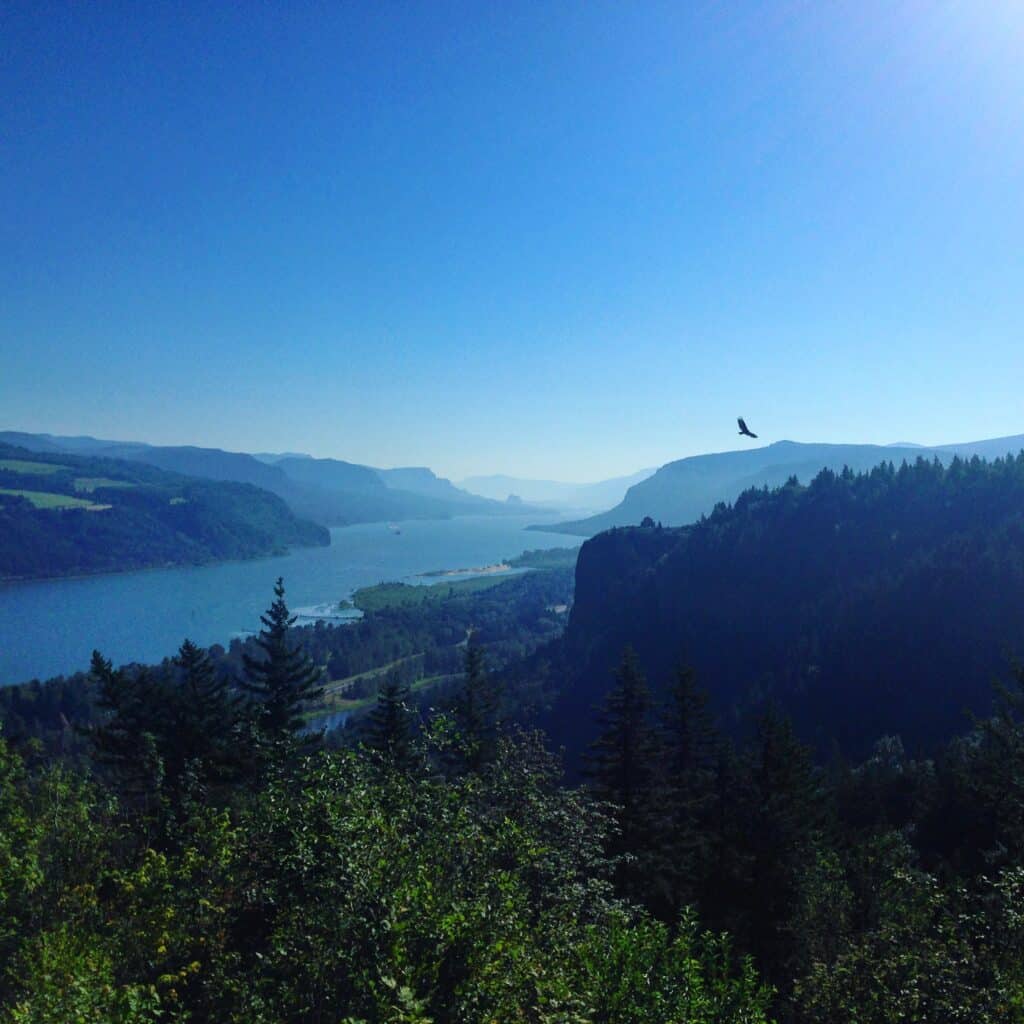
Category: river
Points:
column 50, row 627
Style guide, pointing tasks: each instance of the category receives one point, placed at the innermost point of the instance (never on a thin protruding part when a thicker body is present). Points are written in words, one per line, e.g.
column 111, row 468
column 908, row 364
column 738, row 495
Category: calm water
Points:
column 50, row 627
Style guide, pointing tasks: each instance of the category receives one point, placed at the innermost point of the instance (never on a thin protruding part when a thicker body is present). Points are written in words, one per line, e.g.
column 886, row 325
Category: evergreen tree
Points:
column 784, row 836
column 391, row 730
column 127, row 744
column 206, row 743
column 284, row 681
column 686, row 795
column 620, row 766
column 476, row 710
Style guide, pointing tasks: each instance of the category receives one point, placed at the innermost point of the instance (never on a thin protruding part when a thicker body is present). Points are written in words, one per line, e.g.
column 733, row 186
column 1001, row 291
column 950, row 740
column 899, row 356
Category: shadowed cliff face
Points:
column 863, row 605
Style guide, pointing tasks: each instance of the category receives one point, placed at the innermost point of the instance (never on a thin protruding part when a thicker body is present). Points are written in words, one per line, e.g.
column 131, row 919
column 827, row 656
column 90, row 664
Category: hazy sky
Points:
column 557, row 239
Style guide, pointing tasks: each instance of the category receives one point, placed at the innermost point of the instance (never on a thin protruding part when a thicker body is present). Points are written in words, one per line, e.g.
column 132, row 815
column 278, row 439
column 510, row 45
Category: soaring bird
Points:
column 744, row 429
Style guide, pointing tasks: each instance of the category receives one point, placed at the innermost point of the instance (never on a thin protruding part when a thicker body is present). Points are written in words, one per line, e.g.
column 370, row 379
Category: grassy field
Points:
column 89, row 484
column 43, row 499
column 24, row 466
column 550, row 558
column 399, row 595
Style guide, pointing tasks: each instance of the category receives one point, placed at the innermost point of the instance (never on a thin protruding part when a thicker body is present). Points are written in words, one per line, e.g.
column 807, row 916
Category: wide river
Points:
column 50, row 627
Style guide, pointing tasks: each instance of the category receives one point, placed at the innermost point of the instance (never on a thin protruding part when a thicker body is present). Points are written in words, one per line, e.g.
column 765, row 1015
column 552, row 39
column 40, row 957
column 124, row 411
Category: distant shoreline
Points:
column 479, row 570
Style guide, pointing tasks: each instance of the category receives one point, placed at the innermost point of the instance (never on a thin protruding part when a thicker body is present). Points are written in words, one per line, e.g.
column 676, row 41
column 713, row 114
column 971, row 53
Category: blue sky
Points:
column 553, row 239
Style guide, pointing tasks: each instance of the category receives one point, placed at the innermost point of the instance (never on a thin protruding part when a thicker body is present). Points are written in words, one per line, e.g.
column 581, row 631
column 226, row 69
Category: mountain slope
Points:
column 328, row 491
column 420, row 480
column 64, row 514
column 885, row 602
column 330, row 474
column 682, row 491
column 600, row 495
column 209, row 463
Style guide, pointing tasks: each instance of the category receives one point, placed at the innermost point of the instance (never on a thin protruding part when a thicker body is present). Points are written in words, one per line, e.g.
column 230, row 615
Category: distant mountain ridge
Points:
column 328, row 491
column 681, row 492
column 63, row 514
column 598, row 496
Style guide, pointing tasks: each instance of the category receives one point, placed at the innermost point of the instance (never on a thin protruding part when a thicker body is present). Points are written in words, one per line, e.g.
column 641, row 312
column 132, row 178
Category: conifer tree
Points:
column 620, row 766
column 127, row 744
column 687, row 793
column 391, row 730
column 284, row 681
column 206, row 738
column 785, row 833
column 476, row 710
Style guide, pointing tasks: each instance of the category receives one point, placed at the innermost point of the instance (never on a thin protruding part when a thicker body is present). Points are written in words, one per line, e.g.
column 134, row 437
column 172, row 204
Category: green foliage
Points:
column 70, row 977
column 638, row 970
column 687, row 807
column 46, row 500
column 138, row 516
column 621, row 768
column 336, row 892
column 283, row 681
column 391, row 731
column 935, row 956
column 397, row 595
column 862, row 605
column 546, row 558
column 475, row 710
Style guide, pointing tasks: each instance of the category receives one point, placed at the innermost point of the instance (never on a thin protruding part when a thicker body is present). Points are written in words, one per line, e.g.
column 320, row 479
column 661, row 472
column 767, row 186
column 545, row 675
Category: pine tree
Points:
column 206, row 737
column 620, row 766
column 127, row 744
column 686, row 794
column 391, row 730
column 284, row 681
column 785, row 834
column 476, row 710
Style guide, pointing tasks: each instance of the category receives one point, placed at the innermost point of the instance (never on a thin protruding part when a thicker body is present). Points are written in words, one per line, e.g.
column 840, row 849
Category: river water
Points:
column 50, row 627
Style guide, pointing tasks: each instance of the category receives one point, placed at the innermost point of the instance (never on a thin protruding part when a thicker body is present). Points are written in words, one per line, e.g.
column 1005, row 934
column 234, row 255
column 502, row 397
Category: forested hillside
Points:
column 199, row 855
column 862, row 604
column 682, row 491
column 63, row 514
column 327, row 491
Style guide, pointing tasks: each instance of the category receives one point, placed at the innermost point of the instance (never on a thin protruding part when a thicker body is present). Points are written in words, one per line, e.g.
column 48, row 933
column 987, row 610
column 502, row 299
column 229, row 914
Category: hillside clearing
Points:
column 47, row 500
column 88, row 484
column 402, row 595
column 25, row 466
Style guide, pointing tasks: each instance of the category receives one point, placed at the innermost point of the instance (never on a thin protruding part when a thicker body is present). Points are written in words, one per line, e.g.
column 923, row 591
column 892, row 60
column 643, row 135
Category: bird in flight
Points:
column 744, row 429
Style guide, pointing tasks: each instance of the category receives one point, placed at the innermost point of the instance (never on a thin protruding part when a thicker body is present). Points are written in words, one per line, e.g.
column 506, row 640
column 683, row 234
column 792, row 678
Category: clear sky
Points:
column 565, row 239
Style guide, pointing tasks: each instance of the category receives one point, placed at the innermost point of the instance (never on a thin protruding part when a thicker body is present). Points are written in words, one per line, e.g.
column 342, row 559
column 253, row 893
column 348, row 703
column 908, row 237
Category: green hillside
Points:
column 862, row 605
column 63, row 514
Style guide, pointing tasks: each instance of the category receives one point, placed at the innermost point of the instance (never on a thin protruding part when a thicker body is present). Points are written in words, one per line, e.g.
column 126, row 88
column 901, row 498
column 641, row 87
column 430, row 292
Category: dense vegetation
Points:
column 863, row 605
column 208, row 861
column 193, row 852
column 118, row 516
column 891, row 890
column 213, row 864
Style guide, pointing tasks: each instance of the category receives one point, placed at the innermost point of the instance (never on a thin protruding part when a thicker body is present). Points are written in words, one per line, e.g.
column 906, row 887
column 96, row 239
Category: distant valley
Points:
column 591, row 497
column 331, row 492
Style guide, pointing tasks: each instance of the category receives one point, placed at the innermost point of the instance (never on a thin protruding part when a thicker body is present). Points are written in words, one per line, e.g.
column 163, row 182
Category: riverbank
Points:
column 480, row 570
column 50, row 627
